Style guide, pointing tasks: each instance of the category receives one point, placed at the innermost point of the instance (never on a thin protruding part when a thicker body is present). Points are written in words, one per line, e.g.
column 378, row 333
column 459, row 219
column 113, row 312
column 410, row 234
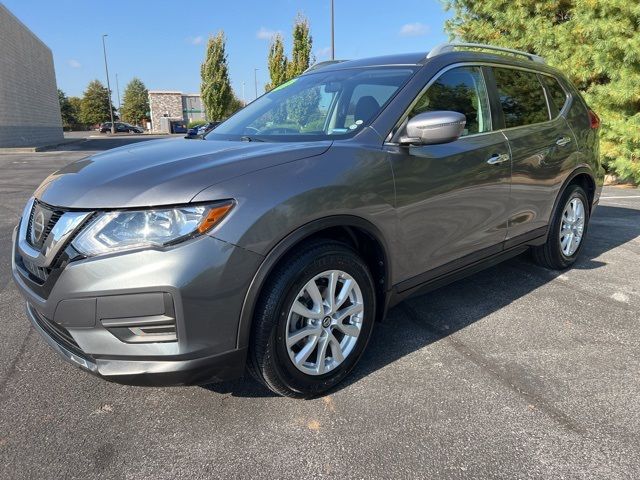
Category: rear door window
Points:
column 521, row 96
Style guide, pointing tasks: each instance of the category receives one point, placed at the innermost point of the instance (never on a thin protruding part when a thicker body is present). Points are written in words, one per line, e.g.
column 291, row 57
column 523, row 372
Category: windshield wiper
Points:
column 246, row 138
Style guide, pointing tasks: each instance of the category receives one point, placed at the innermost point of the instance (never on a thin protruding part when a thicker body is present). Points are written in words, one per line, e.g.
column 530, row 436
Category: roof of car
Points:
column 386, row 60
column 475, row 52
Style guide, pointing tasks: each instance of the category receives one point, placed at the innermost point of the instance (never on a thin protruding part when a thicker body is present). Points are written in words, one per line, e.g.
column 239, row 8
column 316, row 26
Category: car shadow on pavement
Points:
column 422, row 320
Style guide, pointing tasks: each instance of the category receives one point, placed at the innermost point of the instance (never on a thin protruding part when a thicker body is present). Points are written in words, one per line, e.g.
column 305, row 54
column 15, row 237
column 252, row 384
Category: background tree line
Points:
column 595, row 42
column 218, row 98
column 93, row 107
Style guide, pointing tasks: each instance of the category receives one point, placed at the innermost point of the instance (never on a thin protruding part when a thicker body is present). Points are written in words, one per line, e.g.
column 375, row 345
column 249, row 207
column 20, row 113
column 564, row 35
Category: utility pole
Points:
column 255, row 79
column 118, row 90
column 333, row 49
column 244, row 99
column 106, row 68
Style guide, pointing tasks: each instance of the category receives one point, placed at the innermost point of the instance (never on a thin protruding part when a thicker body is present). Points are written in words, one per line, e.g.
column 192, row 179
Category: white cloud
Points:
column 266, row 34
column 413, row 29
column 195, row 40
column 323, row 53
column 74, row 63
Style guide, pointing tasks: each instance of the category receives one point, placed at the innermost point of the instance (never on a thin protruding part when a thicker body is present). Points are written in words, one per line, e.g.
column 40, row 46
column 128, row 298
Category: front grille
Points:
column 50, row 216
column 55, row 216
column 40, row 274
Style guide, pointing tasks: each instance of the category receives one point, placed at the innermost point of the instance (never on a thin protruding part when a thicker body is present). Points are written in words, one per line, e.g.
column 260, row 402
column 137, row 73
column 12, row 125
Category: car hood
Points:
column 163, row 172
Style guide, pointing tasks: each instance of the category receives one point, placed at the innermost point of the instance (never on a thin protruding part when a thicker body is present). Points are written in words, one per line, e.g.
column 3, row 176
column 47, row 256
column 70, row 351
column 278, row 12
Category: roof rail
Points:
column 319, row 65
column 451, row 47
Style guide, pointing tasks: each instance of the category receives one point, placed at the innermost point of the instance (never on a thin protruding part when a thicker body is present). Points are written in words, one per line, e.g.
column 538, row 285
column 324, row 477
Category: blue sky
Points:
column 163, row 43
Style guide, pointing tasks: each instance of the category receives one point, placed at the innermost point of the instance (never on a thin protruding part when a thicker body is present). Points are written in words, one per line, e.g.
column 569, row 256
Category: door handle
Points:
column 498, row 159
column 562, row 141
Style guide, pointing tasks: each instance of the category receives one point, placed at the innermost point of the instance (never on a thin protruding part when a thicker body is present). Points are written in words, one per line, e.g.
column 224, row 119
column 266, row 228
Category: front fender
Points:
column 273, row 202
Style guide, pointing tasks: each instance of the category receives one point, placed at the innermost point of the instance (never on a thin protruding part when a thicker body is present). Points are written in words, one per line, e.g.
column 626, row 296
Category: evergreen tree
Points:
column 277, row 63
column 301, row 56
column 595, row 42
column 215, row 87
column 135, row 102
column 94, row 108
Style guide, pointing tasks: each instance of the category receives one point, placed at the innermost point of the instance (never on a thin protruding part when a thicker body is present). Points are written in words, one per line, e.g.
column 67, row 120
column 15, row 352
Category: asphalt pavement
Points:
column 515, row 372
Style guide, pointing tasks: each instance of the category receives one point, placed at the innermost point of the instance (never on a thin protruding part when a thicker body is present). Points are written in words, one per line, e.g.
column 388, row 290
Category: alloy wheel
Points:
column 324, row 322
column 572, row 226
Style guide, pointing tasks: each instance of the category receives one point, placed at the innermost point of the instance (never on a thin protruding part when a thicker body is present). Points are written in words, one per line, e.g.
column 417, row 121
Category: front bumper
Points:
column 198, row 287
column 134, row 371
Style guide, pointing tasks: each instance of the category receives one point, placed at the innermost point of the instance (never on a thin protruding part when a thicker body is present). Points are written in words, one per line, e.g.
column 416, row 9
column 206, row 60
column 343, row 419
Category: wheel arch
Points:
column 582, row 176
column 363, row 235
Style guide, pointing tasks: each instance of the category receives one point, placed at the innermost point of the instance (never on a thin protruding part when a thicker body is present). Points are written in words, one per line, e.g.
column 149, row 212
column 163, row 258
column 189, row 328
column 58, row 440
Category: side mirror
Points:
column 431, row 128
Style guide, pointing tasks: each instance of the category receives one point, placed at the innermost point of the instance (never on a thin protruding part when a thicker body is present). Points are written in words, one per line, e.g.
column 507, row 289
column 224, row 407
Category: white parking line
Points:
column 621, row 196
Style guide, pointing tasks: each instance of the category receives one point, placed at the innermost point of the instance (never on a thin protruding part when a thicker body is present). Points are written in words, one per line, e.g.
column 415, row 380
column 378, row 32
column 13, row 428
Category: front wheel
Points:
column 567, row 231
column 313, row 320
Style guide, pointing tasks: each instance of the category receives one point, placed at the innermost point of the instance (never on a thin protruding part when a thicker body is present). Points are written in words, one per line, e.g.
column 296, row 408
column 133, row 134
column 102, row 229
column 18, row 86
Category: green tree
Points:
column 595, row 42
column 277, row 63
column 301, row 56
column 68, row 113
column 94, row 108
column 135, row 102
column 234, row 105
column 215, row 88
column 76, row 105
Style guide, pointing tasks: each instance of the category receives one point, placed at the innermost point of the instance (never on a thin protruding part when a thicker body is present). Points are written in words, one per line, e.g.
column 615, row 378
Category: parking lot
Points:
column 515, row 372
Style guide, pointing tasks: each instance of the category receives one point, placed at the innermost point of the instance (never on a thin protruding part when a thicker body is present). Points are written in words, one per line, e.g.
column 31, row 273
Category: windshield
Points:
column 316, row 106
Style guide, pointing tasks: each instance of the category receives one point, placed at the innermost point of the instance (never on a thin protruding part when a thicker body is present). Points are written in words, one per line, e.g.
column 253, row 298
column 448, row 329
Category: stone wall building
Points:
column 29, row 107
column 175, row 106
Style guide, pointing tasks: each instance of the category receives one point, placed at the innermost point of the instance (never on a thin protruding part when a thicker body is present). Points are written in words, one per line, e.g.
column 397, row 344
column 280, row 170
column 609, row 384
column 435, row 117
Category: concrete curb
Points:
column 41, row 148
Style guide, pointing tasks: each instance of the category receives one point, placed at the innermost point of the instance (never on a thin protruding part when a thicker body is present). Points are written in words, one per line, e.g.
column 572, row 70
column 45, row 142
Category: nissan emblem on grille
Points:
column 37, row 228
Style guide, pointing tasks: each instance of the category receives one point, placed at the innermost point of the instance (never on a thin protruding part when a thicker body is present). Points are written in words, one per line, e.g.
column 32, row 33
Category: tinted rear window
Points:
column 556, row 93
column 522, row 97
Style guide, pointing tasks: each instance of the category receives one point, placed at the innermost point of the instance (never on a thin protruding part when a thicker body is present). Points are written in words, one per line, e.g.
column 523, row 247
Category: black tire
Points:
column 550, row 255
column 268, row 360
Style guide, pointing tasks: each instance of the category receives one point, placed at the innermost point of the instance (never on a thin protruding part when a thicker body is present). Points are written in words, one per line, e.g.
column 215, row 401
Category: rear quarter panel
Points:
column 587, row 139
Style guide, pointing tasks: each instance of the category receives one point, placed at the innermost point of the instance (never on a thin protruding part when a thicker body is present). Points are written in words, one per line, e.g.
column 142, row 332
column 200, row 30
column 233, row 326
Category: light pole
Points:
column 244, row 99
column 333, row 50
column 104, row 50
column 255, row 79
column 118, row 90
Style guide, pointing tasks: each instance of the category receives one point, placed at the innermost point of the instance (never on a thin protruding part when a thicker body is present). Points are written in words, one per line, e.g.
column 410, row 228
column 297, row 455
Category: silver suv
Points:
column 277, row 241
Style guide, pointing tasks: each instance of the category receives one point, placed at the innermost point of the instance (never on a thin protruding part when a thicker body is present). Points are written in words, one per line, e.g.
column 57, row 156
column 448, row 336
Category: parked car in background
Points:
column 278, row 241
column 121, row 127
column 178, row 126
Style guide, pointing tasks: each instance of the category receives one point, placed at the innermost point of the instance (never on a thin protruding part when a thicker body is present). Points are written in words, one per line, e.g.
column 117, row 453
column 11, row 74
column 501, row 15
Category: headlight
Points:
column 128, row 229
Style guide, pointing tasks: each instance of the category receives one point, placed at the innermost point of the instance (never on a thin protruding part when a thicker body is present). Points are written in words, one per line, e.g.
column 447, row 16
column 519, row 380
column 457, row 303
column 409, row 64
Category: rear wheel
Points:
column 313, row 320
column 566, row 232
